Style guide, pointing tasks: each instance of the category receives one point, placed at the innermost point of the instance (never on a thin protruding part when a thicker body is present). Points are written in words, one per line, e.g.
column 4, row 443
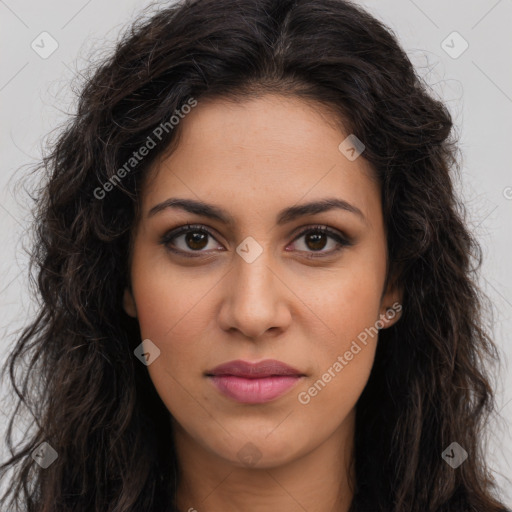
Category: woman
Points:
column 257, row 287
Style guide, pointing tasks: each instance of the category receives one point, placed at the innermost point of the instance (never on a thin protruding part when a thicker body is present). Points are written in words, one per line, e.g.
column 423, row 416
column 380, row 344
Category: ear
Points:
column 391, row 304
column 129, row 303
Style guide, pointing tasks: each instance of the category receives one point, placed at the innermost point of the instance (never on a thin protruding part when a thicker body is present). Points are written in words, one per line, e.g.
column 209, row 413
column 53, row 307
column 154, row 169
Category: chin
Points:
column 259, row 451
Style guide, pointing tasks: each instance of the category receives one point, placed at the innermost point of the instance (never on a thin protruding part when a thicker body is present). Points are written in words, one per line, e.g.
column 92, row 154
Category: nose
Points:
column 255, row 299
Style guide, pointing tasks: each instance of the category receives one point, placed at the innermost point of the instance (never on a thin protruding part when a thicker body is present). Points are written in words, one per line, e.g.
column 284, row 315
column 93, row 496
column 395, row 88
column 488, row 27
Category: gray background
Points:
column 35, row 94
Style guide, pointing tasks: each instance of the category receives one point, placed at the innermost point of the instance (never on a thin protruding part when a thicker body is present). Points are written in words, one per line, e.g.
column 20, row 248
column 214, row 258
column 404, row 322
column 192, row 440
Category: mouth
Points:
column 254, row 383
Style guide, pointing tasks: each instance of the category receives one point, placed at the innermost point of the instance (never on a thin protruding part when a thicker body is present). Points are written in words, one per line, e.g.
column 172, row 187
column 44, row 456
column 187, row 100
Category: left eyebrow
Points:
column 324, row 205
column 284, row 216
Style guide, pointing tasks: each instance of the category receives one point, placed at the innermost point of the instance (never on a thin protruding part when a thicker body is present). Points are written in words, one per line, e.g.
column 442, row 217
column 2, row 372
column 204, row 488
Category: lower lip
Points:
column 254, row 391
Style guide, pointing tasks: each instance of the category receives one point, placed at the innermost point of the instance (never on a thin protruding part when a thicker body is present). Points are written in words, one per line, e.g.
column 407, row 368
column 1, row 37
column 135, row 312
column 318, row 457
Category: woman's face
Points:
column 256, row 287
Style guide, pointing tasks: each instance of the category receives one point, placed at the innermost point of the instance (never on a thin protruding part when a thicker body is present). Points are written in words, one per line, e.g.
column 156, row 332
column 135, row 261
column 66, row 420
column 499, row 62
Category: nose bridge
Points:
column 252, row 302
column 253, row 274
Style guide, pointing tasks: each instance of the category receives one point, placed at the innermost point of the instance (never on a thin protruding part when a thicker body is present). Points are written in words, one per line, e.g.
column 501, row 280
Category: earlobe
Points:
column 129, row 303
column 390, row 315
column 391, row 309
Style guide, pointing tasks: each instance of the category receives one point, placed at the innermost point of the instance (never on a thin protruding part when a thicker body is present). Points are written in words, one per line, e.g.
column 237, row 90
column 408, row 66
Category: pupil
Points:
column 317, row 244
column 196, row 240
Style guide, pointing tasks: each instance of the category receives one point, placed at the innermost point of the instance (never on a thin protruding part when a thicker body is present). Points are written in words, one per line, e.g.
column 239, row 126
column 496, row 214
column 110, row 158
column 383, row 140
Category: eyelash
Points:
column 168, row 237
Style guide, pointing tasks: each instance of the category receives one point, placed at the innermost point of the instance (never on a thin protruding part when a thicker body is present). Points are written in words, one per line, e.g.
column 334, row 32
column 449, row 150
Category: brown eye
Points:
column 188, row 240
column 317, row 238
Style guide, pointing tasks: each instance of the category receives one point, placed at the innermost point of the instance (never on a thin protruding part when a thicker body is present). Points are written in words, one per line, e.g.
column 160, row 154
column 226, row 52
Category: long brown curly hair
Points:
column 90, row 398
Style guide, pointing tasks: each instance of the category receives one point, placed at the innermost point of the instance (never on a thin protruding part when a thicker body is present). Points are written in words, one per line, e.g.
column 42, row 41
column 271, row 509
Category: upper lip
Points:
column 266, row 368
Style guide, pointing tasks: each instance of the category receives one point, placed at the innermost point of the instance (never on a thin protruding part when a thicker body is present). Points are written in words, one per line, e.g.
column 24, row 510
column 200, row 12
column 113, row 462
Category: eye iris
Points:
column 195, row 237
column 318, row 244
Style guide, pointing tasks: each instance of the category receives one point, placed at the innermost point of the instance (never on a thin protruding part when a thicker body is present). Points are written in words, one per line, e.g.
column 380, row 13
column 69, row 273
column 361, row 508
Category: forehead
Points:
column 261, row 154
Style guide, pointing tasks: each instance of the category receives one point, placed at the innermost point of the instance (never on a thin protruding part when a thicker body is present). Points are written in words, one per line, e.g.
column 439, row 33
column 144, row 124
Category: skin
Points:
column 253, row 159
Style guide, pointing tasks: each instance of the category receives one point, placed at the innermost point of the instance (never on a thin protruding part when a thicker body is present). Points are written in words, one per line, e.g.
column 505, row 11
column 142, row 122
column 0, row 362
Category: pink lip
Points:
column 254, row 383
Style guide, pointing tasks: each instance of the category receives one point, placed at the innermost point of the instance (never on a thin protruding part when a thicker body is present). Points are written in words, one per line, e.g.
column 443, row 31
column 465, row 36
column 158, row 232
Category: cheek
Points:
column 345, row 303
column 343, row 358
column 176, row 321
column 171, row 313
column 345, row 342
column 169, row 301
column 327, row 401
